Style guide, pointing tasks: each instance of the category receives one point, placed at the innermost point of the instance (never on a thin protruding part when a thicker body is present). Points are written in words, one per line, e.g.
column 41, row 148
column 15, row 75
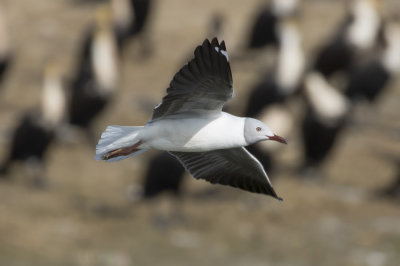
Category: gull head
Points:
column 255, row 131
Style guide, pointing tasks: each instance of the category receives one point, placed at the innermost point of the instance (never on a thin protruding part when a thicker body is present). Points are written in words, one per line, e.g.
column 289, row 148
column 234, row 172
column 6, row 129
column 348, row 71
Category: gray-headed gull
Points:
column 189, row 124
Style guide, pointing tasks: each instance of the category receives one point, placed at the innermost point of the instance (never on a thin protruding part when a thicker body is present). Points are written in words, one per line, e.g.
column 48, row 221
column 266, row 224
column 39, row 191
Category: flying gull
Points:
column 189, row 124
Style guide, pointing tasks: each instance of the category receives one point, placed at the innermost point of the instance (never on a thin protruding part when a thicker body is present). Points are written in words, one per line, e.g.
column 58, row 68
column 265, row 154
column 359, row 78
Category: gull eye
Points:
column 258, row 129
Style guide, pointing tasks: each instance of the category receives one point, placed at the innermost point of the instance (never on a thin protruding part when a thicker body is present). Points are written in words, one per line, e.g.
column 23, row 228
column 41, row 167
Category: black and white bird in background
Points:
column 189, row 124
column 285, row 79
column 327, row 109
column 130, row 20
column 36, row 130
column 268, row 99
column 263, row 31
column 369, row 78
column 357, row 35
column 164, row 174
column 96, row 79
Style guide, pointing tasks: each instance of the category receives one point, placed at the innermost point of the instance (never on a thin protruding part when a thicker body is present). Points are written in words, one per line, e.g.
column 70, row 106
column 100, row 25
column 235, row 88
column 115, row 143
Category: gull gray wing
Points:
column 233, row 167
column 201, row 86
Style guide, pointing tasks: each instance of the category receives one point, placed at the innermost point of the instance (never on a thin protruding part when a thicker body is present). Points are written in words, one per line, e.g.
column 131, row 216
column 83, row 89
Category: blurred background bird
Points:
column 36, row 129
column 270, row 97
column 356, row 36
column 326, row 112
column 285, row 77
column 130, row 19
column 96, row 78
column 368, row 78
column 263, row 31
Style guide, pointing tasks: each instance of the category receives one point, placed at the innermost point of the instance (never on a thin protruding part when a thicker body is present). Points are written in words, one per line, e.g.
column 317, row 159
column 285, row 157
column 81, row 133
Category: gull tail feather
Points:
column 116, row 137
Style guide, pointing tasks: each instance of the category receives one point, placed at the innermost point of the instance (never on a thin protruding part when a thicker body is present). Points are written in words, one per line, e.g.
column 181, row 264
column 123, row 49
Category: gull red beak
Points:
column 278, row 139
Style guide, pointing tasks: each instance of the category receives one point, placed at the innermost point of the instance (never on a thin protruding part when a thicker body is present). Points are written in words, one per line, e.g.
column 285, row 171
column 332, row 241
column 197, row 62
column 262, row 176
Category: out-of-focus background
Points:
column 323, row 74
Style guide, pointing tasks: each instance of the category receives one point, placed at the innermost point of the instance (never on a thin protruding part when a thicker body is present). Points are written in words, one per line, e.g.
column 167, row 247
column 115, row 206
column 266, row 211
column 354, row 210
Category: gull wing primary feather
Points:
column 201, row 86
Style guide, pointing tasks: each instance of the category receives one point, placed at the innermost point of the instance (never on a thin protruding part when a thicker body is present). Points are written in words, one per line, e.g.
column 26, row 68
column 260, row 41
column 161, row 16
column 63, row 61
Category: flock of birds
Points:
column 354, row 65
column 80, row 100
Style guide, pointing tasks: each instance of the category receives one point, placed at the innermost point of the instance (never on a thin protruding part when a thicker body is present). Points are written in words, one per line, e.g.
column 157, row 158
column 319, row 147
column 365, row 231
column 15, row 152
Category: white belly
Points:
column 194, row 134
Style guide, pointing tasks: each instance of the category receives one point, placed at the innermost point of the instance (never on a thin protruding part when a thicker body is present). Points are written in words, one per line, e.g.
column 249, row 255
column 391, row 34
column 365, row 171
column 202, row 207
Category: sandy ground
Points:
column 85, row 215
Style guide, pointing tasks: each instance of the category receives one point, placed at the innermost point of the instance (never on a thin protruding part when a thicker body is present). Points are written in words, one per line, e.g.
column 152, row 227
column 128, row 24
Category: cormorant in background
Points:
column 327, row 110
column 358, row 33
column 370, row 78
column 286, row 78
column 130, row 18
column 263, row 31
column 36, row 130
column 164, row 173
column 96, row 78
column 266, row 98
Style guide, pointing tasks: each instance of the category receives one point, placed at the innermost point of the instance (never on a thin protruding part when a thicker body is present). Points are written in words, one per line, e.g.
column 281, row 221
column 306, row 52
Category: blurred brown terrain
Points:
column 84, row 215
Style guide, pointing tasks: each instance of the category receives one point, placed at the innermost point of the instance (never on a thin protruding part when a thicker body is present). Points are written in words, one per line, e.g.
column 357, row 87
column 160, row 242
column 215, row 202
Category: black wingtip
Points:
column 222, row 45
column 274, row 195
column 206, row 42
column 214, row 42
